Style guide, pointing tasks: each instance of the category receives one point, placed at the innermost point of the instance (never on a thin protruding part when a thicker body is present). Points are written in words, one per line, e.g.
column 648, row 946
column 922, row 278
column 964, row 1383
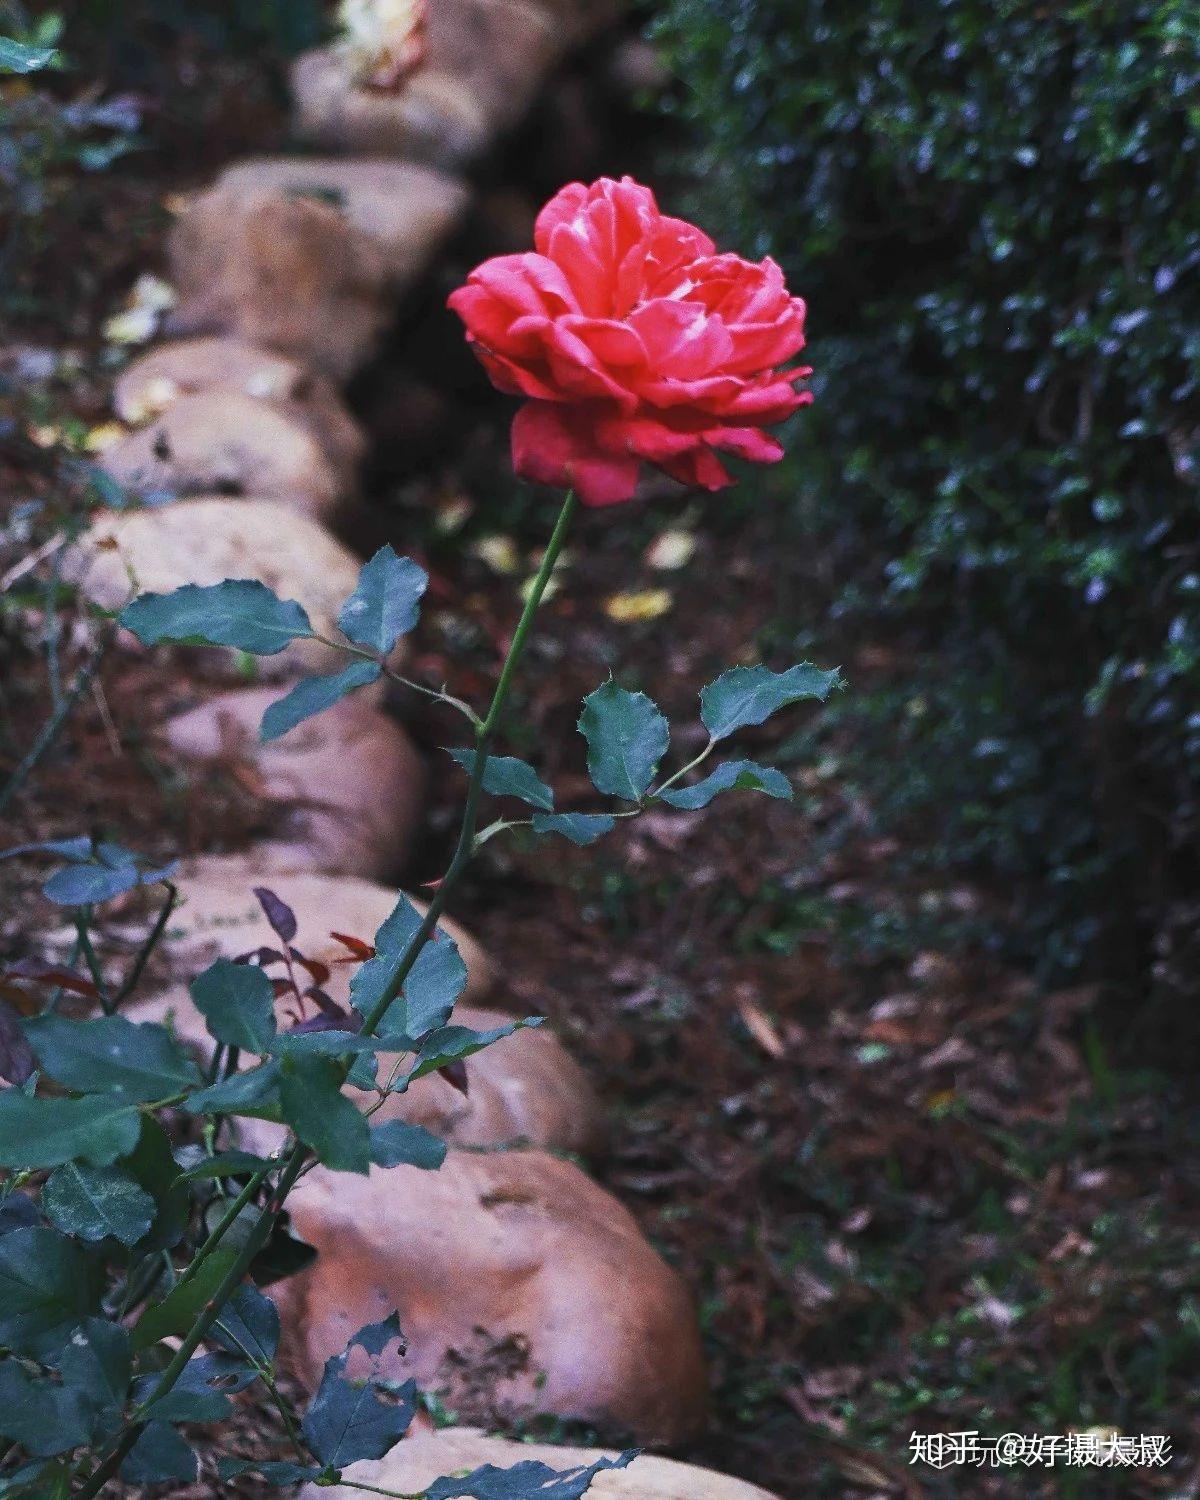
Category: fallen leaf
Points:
column 629, row 609
column 670, row 550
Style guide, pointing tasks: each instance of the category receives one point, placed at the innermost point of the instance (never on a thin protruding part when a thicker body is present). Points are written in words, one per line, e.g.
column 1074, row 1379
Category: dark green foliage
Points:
column 990, row 209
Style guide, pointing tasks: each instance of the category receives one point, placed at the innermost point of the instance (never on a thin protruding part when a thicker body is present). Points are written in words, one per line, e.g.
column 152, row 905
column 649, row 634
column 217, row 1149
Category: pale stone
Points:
column 226, row 442
column 185, row 367
column 484, row 63
column 412, row 1466
column 308, row 256
column 208, row 539
column 219, row 917
column 513, row 1248
column 345, row 789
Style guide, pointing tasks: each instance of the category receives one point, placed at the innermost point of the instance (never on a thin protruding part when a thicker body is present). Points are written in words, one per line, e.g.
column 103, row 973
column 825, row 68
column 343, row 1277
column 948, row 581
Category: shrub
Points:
column 990, row 207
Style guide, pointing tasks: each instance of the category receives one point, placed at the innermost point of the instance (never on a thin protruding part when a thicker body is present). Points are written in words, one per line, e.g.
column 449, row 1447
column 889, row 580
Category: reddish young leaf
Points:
column 261, row 956
column 41, row 973
column 455, row 1074
column 280, row 915
column 356, row 945
column 318, row 971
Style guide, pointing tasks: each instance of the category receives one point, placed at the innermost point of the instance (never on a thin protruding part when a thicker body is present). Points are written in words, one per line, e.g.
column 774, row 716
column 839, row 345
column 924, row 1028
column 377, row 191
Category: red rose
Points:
column 634, row 343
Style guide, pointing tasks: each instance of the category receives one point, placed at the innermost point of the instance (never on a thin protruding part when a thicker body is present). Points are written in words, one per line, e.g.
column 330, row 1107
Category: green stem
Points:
column 221, row 1229
column 483, row 738
column 147, row 948
column 208, row 1315
column 294, row 1163
column 53, row 726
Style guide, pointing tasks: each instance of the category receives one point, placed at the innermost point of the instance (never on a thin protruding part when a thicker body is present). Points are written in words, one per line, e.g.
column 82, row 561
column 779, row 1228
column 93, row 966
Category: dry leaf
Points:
column 629, row 609
column 671, row 550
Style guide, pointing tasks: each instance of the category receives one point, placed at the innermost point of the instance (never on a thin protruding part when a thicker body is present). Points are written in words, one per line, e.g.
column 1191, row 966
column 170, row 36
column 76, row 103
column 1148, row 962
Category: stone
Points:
column 229, row 443
column 207, row 539
column 522, row 1287
column 308, row 256
column 413, row 1465
column 219, row 917
column 185, row 367
column 343, row 792
column 484, row 62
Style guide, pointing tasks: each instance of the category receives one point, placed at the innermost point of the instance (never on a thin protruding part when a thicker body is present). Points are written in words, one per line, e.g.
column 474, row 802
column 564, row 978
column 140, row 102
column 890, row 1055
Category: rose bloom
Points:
column 634, row 342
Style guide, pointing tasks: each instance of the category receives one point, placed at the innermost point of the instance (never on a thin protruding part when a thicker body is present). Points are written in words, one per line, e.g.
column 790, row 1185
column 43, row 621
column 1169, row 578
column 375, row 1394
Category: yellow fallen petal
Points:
column 627, row 609
column 151, row 401
column 671, row 550
column 499, row 552
column 104, row 436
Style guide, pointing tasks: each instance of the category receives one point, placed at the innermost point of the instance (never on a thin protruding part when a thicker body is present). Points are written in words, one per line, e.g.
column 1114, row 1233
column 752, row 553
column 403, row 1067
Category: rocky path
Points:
column 519, row 1279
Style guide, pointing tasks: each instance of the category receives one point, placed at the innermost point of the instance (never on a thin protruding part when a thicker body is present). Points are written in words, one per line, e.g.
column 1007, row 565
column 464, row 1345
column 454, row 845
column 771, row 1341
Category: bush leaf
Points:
column 396, row 1143
column 744, row 696
column 48, row 1286
column 47, row 1132
column 178, row 1310
column 241, row 612
column 237, row 1002
column 580, row 828
column 387, row 602
column 93, row 1203
column 111, row 1055
column 508, row 776
column 321, row 1115
column 313, row 695
column 626, row 737
column 732, row 775
column 347, row 1421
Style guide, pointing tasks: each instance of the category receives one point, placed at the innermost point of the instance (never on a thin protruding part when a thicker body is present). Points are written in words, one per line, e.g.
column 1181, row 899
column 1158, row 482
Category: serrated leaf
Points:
column 745, row 696
column 347, row 1420
column 529, row 1480
column 89, row 885
column 313, row 695
column 48, row 1286
column 17, row 57
column 626, row 737
column 97, row 1363
column 201, row 1394
column 387, row 602
column 326, row 1121
column 160, row 1455
column 396, row 1143
column 93, row 1203
column 508, row 776
column 178, row 1310
column 47, row 1132
column 237, row 1002
column 111, row 1055
column 240, row 612
column 732, row 775
column 327, row 1043
column 42, row 1417
column 254, row 1093
column 580, row 828
column 224, row 1164
column 153, row 1167
column 248, row 1324
column 432, row 987
column 279, row 1472
column 453, row 1043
